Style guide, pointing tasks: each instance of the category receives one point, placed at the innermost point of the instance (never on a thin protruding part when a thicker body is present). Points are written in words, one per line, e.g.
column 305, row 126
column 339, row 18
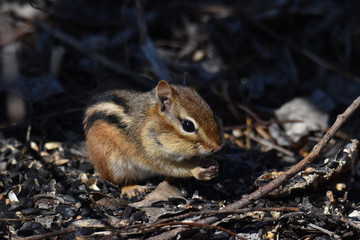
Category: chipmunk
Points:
column 168, row 131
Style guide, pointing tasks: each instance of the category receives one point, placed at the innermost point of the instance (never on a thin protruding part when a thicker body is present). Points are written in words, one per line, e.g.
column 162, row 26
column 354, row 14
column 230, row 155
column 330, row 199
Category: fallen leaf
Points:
column 163, row 192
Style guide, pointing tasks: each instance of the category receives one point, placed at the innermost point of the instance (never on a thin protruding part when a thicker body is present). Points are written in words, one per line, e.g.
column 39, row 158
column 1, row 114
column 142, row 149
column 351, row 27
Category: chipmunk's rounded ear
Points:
column 164, row 92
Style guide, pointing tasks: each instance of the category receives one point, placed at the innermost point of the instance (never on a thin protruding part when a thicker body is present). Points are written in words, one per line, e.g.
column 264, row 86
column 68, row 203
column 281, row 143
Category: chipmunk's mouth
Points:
column 183, row 157
column 207, row 152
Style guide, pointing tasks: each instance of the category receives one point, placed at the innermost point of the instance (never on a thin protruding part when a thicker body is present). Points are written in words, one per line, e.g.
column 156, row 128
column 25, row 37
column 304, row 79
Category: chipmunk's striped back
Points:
column 110, row 107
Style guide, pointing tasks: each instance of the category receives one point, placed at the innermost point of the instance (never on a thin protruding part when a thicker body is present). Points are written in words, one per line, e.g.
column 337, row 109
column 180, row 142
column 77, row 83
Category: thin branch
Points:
column 321, row 229
column 134, row 229
column 349, row 222
column 243, row 126
column 305, row 52
column 223, row 93
column 263, row 191
column 271, row 145
column 47, row 235
column 74, row 43
column 148, row 47
column 201, row 226
column 253, row 114
column 16, row 219
column 235, row 211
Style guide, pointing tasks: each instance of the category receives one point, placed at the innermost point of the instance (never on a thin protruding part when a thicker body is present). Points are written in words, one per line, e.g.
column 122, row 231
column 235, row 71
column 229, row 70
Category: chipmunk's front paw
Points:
column 133, row 190
column 207, row 169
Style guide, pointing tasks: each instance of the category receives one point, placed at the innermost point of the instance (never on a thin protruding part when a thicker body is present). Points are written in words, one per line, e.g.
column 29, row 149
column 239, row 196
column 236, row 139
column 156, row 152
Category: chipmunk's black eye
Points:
column 188, row 125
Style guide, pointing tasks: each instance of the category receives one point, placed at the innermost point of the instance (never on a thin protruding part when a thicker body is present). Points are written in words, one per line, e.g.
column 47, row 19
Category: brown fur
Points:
column 150, row 139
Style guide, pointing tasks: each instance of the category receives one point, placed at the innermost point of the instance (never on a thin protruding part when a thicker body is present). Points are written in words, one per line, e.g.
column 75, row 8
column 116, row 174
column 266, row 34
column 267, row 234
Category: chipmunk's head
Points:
column 180, row 124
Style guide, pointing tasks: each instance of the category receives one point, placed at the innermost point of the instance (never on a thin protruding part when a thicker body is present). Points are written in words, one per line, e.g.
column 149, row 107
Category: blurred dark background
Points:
column 277, row 72
column 260, row 54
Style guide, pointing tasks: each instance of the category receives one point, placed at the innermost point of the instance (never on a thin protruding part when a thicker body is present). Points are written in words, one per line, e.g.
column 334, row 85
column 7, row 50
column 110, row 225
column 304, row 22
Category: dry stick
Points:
column 101, row 59
column 321, row 229
column 243, row 126
column 47, row 235
column 74, row 43
column 260, row 140
column 247, row 133
column 128, row 229
column 201, row 226
column 349, row 222
column 148, row 47
column 17, row 219
column 307, row 53
column 267, row 143
column 252, row 114
column 262, row 191
column 224, row 95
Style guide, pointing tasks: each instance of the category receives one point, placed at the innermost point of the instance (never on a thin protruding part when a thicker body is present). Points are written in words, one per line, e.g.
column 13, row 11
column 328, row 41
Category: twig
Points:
column 267, row 123
column 300, row 165
column 307, row 53
column 16, row 219
column 222, row 212
column 347, row 221
column 223, row 93
column 74, row 43
column 201, row 226
column 47, row 235
column 168, row 235
column 130, row 229
column 263, row 191
column 271, row 145
column 331, row 234
column 252, row 114
column 148, row 47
